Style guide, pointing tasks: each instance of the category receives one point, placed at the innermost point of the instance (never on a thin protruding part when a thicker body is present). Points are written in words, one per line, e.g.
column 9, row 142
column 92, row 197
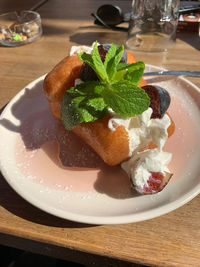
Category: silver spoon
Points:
column 173, row 72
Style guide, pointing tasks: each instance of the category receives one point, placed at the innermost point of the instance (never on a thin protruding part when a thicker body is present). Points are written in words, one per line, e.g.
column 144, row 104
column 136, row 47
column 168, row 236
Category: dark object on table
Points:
column 189, row 21
column 109, row 16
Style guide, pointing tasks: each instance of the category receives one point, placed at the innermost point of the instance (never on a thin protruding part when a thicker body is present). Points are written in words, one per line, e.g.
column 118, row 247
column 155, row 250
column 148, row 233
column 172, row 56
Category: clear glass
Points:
column 152, row 25
column 19, row 29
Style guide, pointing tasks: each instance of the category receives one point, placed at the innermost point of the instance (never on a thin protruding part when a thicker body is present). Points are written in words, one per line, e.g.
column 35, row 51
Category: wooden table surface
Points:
column 169, row 240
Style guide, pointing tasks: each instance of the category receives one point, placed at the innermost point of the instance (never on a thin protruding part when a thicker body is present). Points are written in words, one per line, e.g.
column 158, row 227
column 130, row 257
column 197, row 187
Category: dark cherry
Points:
column 87, row 73
column 160, row 100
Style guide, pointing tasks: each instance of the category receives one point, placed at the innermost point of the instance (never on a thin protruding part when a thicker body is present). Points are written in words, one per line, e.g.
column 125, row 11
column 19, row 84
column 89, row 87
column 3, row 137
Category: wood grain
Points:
column 170, row 240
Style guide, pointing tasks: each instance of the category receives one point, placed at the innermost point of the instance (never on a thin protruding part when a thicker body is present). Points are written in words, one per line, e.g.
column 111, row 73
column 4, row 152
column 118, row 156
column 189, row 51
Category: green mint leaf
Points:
column 119, row 76
column 98, row 64
column 70, row 114
column 109, row 62
column 95, row 62
column 123, row 66
column 83, row 103
column 116, row 89
column 87, row 58
column 97, row 103
column 119, row 54
column 110, row 55
column 126, row 99
column 132, row 72
column 113, row 57
column 134, row 76
column 131, row 66
column 90, row 88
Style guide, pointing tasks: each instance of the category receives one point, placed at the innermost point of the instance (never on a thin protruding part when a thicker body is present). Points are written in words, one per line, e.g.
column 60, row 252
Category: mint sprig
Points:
column 83, row 103
column 125, row 98
column 116, row 89
column 134, row 71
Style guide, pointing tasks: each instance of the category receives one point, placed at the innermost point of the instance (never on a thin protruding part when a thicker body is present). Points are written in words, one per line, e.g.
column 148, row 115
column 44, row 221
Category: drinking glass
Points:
column 152, row 25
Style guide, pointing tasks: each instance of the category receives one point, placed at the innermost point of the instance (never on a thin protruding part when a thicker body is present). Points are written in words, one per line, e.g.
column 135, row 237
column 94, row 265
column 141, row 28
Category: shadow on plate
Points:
column 39, row 130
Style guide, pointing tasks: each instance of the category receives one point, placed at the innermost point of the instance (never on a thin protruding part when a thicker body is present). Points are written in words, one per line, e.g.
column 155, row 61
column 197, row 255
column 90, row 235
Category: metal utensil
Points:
column 174, row 72
column 37, row 5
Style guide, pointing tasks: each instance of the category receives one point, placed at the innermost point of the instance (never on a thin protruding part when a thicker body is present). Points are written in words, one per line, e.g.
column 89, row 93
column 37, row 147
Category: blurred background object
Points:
column 153, row 24
column 20, row 28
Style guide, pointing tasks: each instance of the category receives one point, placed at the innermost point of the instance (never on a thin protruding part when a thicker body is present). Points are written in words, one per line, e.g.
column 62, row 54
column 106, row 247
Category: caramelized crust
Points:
column 111, row 146
column 60, row 79
column 171, row 128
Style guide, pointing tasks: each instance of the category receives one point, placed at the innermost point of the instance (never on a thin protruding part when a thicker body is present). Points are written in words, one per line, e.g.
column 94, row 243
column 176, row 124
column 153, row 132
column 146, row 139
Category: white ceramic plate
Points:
column 71, row 182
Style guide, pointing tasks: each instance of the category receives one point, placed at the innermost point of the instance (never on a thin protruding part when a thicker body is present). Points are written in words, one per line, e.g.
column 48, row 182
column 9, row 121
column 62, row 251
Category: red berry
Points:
column 156, row 182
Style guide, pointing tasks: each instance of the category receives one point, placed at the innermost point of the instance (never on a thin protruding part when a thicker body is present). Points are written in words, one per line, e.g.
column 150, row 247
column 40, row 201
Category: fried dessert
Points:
column 98, row 93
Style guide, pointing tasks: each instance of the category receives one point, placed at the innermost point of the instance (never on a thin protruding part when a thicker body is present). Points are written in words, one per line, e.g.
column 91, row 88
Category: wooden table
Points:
column 170, row 240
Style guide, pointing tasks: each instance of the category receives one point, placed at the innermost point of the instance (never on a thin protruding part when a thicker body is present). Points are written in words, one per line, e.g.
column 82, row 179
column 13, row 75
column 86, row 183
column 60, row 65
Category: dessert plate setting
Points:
column 54, row 170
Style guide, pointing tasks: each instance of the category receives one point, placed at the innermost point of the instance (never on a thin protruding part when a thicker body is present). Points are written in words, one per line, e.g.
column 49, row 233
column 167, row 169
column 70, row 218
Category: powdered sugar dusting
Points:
column 101, row 194
column 49, row 155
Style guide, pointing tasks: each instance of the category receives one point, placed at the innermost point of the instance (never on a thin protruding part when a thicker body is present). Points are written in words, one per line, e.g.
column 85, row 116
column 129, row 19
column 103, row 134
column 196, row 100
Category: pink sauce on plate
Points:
column 48, row 154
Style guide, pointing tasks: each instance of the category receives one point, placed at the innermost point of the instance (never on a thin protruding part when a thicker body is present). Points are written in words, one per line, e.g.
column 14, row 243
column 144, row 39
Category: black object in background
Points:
column 109, row 16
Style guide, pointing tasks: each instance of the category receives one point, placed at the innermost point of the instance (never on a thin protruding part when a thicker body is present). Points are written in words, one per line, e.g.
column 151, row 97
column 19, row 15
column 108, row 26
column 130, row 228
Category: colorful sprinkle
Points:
column 17, row 37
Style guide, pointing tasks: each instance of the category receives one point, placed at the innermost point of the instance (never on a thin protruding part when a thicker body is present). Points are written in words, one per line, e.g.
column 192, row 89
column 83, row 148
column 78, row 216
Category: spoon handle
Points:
column 174, row 72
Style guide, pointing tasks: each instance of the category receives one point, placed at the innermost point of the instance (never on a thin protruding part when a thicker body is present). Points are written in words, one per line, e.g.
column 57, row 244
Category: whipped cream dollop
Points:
column 140, row 167
column 81, row 48
column 141, row 130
